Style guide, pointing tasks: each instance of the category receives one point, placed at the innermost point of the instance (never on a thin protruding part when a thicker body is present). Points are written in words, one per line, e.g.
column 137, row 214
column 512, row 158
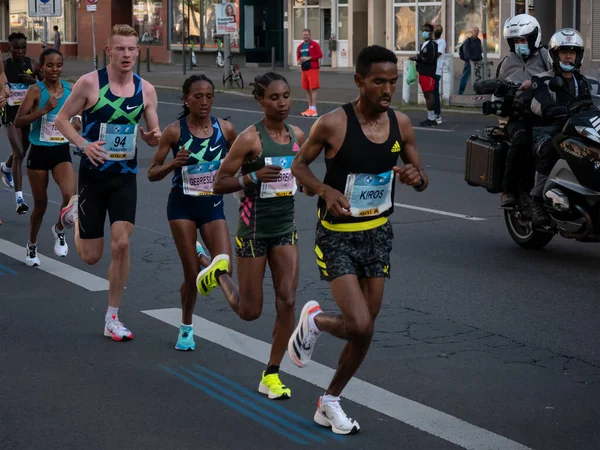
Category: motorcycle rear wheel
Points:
column 522, row 232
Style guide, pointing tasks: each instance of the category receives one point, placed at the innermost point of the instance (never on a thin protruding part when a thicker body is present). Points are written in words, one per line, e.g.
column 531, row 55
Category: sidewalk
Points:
column 337, row 86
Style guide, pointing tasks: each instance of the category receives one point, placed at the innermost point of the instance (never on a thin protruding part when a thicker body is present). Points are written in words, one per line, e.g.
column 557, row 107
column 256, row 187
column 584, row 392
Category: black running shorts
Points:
column 255, row 248
column 101, row 192
column 47, row 157
column 365, row 254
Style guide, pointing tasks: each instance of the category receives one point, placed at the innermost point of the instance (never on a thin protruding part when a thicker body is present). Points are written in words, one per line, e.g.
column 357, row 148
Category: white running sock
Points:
column 430, row 115
column 4, row 168
column 18, row 195
column 110, row 312
column 313, row 108
column 325, row 399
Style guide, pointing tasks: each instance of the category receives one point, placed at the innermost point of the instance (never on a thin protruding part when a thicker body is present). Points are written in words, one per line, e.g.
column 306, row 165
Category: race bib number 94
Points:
column 49, row 132
column 369, row 194
column 120, row 140
column 285, row 186
column 198, row 179
column 17, row 93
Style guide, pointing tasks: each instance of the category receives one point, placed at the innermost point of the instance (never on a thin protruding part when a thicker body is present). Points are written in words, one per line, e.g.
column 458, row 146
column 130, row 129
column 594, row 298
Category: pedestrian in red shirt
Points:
column 308, row 55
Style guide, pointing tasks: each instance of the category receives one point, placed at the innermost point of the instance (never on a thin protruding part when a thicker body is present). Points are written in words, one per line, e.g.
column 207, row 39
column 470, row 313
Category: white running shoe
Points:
column 68, row 215
column 332, row 415
column 31, row 256
column 303, row 339
column 115, row 330
column 60, row 245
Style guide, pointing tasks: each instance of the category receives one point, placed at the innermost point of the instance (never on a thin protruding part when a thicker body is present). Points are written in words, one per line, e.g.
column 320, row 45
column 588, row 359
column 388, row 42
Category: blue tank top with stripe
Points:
column 197, row 176
column 43, row 131
column 114, row 120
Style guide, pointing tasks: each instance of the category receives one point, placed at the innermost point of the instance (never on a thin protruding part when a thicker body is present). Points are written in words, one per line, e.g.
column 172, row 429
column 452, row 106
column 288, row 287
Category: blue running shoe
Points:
column 185, row 341
column 7, row 179
column 199, row 249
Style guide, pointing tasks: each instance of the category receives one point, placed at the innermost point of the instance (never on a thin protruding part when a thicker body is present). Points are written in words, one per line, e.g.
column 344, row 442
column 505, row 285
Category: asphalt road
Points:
column 480, row 344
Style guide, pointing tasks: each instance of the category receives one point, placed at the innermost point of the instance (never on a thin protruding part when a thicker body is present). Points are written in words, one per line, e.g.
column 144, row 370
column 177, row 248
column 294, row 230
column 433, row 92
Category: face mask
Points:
column 425, row 34
column 566, row 67
column 522, row 50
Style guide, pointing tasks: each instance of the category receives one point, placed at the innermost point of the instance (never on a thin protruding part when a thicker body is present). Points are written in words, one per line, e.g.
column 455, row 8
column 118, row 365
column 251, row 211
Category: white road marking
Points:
column 422, row 417
column 253, row 111
column 79, row 277
column 437, row 211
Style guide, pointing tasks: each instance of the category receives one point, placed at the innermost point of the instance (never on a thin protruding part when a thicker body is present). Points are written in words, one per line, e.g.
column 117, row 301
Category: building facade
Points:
column 342, row 27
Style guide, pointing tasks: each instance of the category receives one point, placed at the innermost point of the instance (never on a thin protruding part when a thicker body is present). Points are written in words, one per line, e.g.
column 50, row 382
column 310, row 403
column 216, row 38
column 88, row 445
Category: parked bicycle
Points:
column 235, row 76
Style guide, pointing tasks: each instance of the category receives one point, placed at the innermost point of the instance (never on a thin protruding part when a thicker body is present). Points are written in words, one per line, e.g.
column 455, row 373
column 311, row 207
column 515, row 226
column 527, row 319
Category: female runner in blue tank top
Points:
column 49, row 149
column 199, row 142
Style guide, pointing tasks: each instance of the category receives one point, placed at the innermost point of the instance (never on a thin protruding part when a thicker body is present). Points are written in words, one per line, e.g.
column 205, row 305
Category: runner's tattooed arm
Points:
column 412, row 174
column 30, row 111
column 169, row 139
column 319, row 139
column 152, row 136
column 246, row 147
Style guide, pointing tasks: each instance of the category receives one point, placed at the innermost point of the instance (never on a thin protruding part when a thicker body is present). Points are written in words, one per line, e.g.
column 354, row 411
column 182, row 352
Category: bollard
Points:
column 447, row 81
column 405, row 86
column 272, row 58
column 147, row 59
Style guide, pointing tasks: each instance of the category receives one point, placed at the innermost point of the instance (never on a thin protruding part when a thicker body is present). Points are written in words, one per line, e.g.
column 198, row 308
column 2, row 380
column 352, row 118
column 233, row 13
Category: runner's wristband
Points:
column 241, row 181
column 253, row 177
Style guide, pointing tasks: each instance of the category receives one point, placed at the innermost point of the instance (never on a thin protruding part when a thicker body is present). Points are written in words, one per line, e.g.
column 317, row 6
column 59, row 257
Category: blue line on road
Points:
column 258, row 409
column 7, row 270
column 235, row 406
column 270, row 403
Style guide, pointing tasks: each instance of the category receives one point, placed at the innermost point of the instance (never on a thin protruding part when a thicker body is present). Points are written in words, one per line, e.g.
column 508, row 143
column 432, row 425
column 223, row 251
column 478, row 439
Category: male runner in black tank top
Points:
column 362, row 143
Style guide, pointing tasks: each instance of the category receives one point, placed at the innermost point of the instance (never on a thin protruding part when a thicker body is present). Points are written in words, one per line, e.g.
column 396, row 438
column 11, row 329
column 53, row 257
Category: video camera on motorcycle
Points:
column 510, row 103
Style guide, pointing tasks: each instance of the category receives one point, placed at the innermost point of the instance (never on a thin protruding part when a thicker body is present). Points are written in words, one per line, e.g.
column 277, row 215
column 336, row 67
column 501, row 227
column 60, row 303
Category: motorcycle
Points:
column 571, row 194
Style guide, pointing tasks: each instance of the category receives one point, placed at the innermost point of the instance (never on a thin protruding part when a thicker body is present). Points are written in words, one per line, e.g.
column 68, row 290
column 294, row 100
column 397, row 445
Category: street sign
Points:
column 45, row 8
column 91, row 8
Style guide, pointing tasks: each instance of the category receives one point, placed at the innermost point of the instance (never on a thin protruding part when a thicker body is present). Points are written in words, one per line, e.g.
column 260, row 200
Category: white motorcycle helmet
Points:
column 567, row 38
column 523, row 26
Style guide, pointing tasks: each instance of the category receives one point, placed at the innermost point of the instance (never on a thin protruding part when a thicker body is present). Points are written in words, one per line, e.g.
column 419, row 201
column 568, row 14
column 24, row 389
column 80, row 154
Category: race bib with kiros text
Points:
column 369, row 194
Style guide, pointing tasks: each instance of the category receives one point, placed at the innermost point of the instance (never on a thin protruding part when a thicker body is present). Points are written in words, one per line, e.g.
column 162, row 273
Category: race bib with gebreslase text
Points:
column 48, row 130
column 17, row 93
column 285, row 186
column 198, row 179
column 120, row 140
column 369, row 194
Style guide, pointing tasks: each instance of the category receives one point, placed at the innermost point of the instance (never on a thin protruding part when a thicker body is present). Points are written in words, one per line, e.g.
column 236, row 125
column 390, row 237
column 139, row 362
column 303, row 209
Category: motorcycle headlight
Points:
column 589, row 133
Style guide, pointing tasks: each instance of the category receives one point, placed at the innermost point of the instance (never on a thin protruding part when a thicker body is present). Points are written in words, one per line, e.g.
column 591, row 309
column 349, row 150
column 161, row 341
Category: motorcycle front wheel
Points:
column 522, row 232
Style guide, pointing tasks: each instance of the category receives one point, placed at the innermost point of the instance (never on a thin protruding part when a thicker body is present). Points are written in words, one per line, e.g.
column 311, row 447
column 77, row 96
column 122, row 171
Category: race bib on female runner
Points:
column 369, row 194
column 120, row 140
column 285, row 186
column 198, row 179
column 48, row 130
column 17, row 93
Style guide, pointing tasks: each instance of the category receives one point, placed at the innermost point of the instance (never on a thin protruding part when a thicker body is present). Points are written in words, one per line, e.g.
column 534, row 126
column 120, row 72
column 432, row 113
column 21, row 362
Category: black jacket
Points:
column 549, row 104
column 427, row 59
column 472, row 49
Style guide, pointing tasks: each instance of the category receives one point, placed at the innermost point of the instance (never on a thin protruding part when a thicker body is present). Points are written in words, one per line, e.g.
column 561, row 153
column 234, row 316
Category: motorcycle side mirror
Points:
column 558, row 84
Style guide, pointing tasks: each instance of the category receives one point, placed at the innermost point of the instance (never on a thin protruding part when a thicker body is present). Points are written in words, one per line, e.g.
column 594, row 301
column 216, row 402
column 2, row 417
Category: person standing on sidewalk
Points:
column 470, row 50
column 57, row 39
column 427, row 66
column 308, row 55
column 441, row 43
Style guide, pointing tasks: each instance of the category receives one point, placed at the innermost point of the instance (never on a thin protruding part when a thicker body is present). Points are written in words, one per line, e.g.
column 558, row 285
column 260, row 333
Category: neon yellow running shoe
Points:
column 207, row 278
column 272, row 386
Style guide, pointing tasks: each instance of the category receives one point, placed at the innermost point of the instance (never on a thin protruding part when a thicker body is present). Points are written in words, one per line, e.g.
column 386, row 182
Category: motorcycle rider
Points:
column 566, row 55
column 526, row 58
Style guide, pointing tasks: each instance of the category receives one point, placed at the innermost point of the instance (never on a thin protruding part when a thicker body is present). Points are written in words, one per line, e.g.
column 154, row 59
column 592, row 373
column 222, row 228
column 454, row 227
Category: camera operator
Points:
column 566, row 56
column 526, row 59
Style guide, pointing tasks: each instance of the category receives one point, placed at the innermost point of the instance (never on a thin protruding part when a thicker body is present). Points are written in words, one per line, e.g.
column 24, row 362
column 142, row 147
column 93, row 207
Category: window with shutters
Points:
column 595, row 30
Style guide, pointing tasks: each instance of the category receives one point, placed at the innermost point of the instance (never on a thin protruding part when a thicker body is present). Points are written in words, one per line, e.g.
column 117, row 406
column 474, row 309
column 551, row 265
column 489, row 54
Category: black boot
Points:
column 540, row 217
column 508, row 200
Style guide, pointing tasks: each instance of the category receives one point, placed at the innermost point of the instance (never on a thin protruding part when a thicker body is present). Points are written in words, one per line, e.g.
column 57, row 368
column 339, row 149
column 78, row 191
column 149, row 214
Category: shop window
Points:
column 33, row 27
column 147, row 21
column 467, row 14
column 409, row 17
column 205, row 22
